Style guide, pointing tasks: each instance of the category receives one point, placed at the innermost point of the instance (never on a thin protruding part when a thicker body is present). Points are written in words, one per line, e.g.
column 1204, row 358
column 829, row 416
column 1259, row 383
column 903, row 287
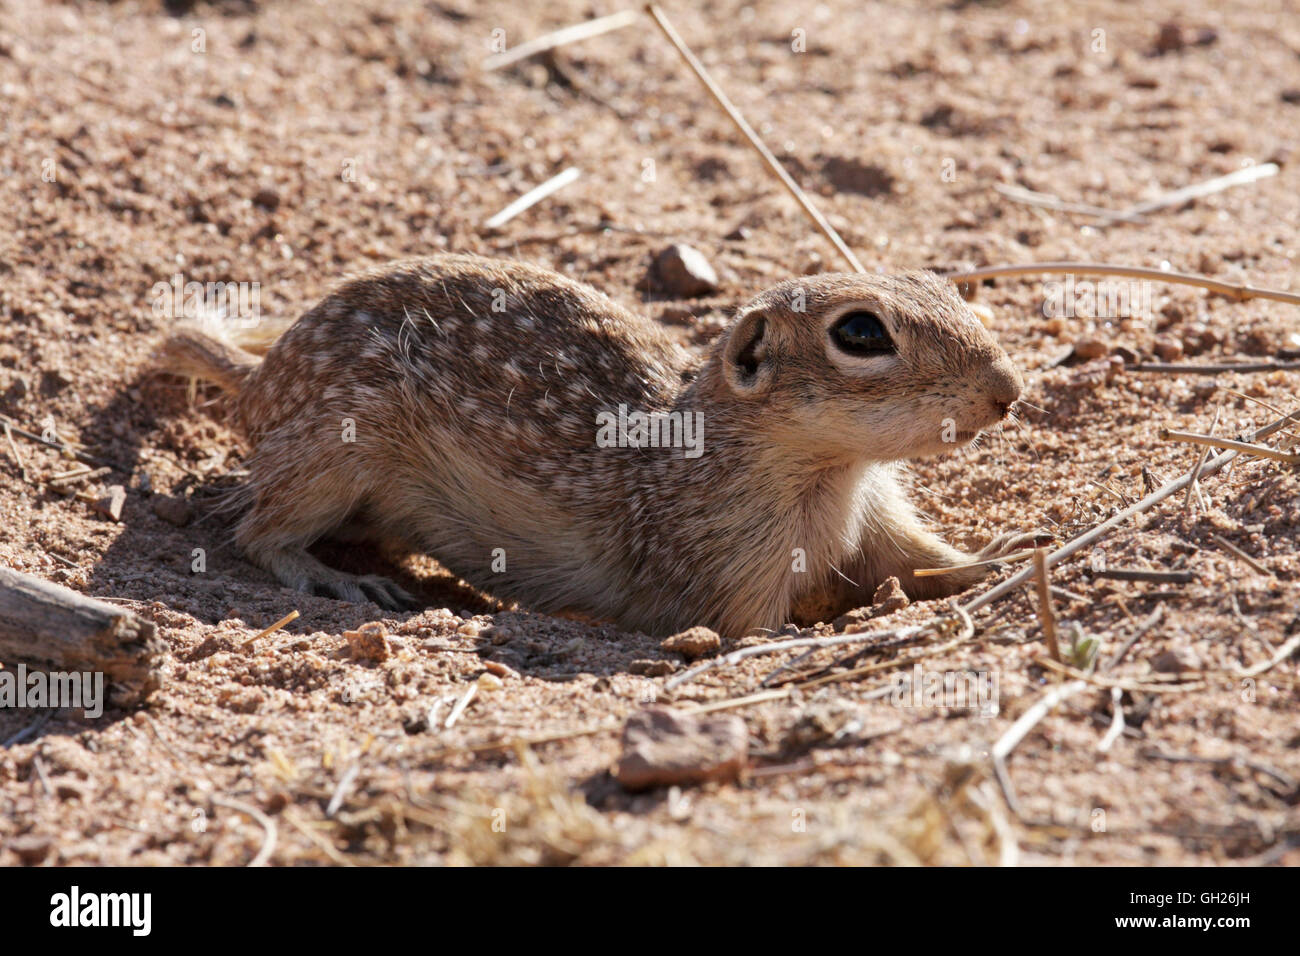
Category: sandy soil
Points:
column 292, row 144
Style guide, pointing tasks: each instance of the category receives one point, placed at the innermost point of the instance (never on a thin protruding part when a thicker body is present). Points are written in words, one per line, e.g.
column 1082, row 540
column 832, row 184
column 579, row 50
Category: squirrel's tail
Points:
column 200, row 351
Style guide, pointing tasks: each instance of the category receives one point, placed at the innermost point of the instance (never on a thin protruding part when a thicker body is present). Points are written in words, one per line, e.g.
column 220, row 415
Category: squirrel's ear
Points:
column 746, row 356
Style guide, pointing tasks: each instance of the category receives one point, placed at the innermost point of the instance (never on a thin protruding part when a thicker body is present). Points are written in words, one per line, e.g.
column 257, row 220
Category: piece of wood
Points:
column 1046, row 614
column 51, row 627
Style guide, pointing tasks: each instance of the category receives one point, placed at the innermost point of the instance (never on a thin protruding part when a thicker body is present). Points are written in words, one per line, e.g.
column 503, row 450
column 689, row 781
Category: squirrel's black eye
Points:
column 862, row 333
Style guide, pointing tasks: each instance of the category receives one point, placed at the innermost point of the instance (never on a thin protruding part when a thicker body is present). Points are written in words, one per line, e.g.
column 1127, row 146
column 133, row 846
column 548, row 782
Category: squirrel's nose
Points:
column 1005, row 385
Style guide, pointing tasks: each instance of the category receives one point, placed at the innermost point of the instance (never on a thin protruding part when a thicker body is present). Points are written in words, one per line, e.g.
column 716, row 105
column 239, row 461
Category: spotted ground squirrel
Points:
column 553, row 448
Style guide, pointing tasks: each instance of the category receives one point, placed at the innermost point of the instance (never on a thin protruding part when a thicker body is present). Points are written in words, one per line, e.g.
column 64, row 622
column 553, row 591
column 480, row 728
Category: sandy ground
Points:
column 292, row 144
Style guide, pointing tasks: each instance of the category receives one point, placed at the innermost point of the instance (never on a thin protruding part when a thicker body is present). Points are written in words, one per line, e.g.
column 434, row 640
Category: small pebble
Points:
column 1175, row 661
column 173, row 510
column 1170, row 39
column 693, row 643
column 499, row 669
column 1168, row 349
column 1088, row 349
column 31, row 848
column 369, row 642
column 267, row 198
column 649, row 668
column 682, row 271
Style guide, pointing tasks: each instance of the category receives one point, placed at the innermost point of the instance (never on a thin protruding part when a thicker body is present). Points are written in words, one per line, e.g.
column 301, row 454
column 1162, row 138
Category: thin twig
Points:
column 1045, row 612
column 343, row 787
column 247, row 645
column 303, row 827
column 40, row 721
column 965, row 634
column 1110, row 491
column 1239, row 292
column 63, row 482
column 62, row 446
column 1016, row 733
column 1233, row 549
column 80, row 469
column 1177, row 197
column 461, row 704
column 1117, row 721
column 13, row 450
column 1008, row 559
column 734, row 115
column 1091, row 537
column 72, row 564
column 1195, row 486
column 570, row 34
column 875, row 638
column 1172, row 685
column 533, row 197
column 1151, row 577
column 1283, row 652
column 39, row 765
column 1254, row 401
column 1143, row 628
column 733, row 702
column 787, row 666
column 1046, row 201
column 265, row 822
column 1209, row 441
column 1151, row 753
column 1173, row 368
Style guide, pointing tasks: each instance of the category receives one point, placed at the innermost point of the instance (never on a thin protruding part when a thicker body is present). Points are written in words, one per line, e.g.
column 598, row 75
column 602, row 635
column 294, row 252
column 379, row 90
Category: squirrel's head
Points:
column 865, row 367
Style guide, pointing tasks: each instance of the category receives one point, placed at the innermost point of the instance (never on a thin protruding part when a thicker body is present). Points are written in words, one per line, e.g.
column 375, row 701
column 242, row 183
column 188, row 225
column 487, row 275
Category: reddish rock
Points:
column 1088, row 349
column 1168, row 349
column 693, row 643
column 112, row 503
column 889, row 597
column 368, row 642
column 664, row 747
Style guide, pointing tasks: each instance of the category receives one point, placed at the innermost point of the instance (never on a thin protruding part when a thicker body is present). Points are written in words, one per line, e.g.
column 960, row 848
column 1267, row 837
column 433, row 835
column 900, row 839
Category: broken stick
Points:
column 54, row 628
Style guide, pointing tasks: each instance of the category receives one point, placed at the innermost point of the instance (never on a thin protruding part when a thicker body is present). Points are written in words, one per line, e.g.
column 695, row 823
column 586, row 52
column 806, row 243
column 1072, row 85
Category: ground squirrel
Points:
column 553, row 448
